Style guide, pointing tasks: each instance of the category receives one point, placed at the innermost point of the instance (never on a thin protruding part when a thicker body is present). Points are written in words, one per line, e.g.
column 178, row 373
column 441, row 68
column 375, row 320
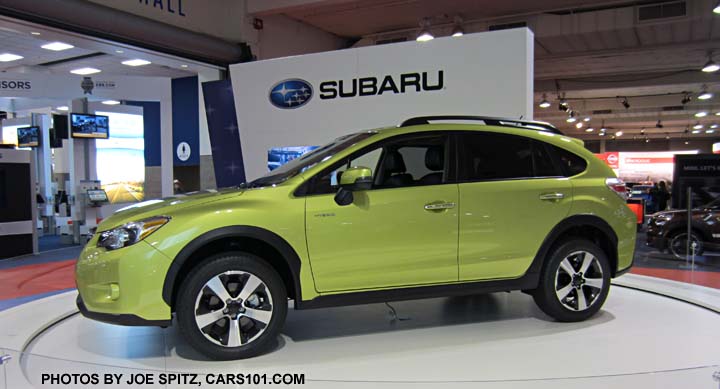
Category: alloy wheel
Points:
column 233, row 308
column 579, row 281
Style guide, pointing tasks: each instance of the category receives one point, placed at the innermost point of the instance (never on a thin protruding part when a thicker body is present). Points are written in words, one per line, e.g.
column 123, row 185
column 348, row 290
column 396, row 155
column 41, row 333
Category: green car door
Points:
column 402, row 232
column 512, row 194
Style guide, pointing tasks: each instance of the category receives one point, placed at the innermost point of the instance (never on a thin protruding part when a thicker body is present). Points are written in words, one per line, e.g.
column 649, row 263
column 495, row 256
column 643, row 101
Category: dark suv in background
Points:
column 668, row 229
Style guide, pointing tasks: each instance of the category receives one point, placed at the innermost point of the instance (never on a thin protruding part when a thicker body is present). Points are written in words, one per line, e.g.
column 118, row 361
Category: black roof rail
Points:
column 492, row 121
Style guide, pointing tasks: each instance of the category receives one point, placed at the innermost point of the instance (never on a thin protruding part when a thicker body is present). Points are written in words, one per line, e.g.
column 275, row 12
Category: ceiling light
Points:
column 34, row 33
column 85, row 71
column 579, row 125
column 717, row 113
column 717, row 8
column 111, row 102
column 136, row 62
column 63, row 108
column 425, row 35
column 587, row 119
column 457, row 28
column 695, row 131
column 667, row 137
column 709, row 131
column 544, row 103
column 7, row 57
column 571, row 119
column 710, row 66
column 701, row 114
column 642, row 132
column 57, row 46
column 697, row 126
column 119, row 51
column 589, row 129
column 625, row 103
column 687, row 142
column 183, row 66
column 704, row 94
column 647, row 140
column 714, row 126
column 619, row 133
column 563, row 105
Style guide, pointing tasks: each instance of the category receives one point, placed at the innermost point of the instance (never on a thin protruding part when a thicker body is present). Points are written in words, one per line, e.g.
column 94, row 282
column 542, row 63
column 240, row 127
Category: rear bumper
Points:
column 120, row 319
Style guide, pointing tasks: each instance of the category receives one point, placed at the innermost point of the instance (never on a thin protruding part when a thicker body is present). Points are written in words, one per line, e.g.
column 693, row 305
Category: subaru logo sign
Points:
column 291, row 93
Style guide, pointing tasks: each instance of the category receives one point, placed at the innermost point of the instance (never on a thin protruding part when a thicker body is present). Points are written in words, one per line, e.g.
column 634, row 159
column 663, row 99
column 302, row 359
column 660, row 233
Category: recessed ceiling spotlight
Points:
column 587, row 119
column 544, row 103
column 85, row 71
column 571, row 119
column 119, row 51
column 111, row 102
column 697, row 126
column 136, row 62
column 709, row 131
column 619, row 133
column 7, row 57
column 695, row 131
column 717, row 113
column 34, row 33
column 667, row 137
column 687, row 142
column 602, row 133
column 425, row 35
column 713, row 126
column 63, row 108
column 579, row 125
column 589, row 129
column 57, row 46
column 647, row 140
column 185, row 66
column 701, row 114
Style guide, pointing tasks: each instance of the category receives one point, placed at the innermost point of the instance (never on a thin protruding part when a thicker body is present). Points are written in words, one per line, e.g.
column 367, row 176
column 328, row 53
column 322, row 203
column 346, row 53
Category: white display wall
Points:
column 487, row 73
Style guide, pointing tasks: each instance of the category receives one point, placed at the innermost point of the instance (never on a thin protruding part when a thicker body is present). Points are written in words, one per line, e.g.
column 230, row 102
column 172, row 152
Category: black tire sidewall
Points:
column 545, row 295
column 211, row 267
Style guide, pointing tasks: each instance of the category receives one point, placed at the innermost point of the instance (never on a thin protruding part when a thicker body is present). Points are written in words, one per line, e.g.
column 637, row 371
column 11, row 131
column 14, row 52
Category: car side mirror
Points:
column 352, row 180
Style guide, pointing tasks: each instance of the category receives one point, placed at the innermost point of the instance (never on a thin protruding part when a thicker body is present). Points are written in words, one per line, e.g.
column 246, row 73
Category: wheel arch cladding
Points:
column 588, row 227
column 263, row 243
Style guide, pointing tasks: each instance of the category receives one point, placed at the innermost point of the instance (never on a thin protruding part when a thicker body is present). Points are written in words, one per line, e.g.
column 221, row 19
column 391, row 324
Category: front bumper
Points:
column 117, row 285
column 120, row 319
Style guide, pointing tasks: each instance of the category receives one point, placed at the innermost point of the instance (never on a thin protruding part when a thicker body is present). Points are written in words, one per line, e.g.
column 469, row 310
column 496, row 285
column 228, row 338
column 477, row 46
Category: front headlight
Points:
column 662, row 218
column 130, row 233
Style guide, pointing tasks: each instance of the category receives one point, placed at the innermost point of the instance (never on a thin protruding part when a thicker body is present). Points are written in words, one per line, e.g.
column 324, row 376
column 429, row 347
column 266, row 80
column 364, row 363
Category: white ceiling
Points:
column 17, row 38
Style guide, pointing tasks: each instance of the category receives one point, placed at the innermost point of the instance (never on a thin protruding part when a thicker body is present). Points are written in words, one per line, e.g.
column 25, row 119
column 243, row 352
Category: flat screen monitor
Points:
column 59, row 130
column 97, row 195
column 89, row 126
column 28, row 136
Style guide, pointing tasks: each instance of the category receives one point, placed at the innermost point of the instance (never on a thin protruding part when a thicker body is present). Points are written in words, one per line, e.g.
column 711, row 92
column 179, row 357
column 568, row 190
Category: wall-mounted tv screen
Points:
column 97, row 195
column 89, row 126
column 28, row 136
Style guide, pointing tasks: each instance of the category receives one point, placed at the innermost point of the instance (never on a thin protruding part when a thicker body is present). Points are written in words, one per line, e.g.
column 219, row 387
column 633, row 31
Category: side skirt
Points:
column 526, row 282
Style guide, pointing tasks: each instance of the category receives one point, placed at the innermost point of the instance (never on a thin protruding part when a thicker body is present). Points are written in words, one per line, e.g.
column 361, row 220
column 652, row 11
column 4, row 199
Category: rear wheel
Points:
column 232, row 307
column 575, row 281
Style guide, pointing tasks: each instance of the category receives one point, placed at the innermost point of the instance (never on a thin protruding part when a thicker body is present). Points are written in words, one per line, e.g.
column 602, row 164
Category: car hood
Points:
column 165, row 206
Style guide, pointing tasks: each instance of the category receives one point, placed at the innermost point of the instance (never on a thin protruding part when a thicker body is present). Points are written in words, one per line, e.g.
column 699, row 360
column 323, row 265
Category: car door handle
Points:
column 439, row 206
column 552, row 196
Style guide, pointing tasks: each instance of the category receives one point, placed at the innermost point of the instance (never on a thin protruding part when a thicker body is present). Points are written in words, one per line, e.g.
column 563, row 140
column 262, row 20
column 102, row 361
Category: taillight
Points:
column 617, row 186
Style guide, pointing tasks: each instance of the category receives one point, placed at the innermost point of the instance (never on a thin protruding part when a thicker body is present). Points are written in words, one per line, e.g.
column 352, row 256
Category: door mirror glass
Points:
column 356, row 179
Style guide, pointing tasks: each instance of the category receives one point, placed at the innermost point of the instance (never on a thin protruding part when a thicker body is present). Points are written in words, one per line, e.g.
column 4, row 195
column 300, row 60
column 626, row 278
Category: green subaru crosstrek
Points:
column 437, row 206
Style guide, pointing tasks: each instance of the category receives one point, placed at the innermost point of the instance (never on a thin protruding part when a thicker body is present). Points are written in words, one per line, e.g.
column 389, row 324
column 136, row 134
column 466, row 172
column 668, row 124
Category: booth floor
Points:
column 502, row 340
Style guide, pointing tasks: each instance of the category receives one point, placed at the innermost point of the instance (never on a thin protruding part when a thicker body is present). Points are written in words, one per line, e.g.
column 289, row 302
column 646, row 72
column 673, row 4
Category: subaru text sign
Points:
column 291, row 93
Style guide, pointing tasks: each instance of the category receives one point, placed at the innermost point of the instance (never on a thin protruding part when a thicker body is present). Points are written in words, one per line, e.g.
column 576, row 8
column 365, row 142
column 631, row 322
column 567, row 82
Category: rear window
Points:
column 570, row 163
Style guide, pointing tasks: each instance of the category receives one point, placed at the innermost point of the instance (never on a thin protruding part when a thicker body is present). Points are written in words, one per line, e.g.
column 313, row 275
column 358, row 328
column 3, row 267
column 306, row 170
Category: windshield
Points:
column 306, row 161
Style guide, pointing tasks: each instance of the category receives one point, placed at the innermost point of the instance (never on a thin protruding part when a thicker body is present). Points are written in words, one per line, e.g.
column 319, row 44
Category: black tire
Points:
column 549, row 288
column 677, row 244
column 231, row 267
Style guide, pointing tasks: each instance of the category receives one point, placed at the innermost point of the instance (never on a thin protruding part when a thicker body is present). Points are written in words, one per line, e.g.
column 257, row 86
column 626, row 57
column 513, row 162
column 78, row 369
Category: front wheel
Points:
column 574, row 282
column 678, row 245
column 232, row 306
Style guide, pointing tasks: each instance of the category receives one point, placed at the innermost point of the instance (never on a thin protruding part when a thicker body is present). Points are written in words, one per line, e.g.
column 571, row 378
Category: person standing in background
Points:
column 663, row 195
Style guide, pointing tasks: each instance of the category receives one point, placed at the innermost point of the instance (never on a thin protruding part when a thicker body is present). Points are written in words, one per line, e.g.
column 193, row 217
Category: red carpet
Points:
column 29, row 280
column 704, row 278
